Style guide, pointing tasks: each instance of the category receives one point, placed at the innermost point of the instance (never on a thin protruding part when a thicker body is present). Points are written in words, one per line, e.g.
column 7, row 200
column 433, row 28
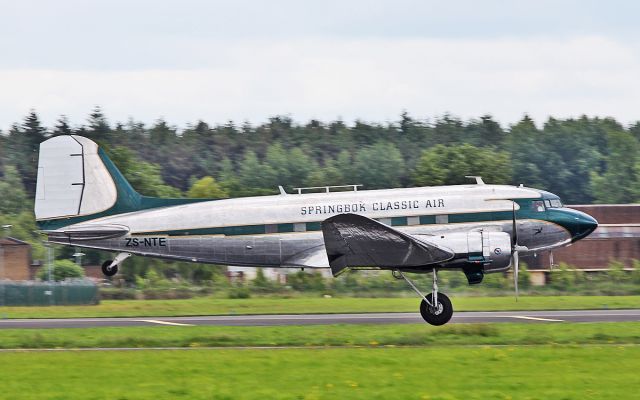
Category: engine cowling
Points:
column 485, row 251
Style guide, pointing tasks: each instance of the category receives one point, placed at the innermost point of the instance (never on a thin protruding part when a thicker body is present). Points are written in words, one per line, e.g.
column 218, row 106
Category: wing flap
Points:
column 314, row 257
column 352, row 240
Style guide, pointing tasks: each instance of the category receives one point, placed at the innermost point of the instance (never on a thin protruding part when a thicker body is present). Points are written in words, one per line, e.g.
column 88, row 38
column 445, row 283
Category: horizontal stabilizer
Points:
column 354, row 241
column 92, row 232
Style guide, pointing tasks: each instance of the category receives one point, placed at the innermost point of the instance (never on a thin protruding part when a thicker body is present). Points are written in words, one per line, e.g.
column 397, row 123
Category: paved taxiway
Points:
column 323, row 319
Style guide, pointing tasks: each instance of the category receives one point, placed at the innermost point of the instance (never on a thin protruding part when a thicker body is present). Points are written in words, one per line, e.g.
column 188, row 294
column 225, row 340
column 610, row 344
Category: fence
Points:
column 35, row 293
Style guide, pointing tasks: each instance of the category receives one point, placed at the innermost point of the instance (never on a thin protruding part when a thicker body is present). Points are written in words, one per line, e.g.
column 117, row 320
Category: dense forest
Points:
column 582, row 160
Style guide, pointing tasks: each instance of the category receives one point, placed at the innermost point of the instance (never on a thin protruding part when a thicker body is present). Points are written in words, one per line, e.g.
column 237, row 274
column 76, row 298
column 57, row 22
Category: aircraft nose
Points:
column 587, row 224
column 579, row 224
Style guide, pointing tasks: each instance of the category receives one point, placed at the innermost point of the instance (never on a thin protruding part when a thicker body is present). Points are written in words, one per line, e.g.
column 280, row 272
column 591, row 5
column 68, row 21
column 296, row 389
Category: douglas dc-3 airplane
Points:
column 83, row 200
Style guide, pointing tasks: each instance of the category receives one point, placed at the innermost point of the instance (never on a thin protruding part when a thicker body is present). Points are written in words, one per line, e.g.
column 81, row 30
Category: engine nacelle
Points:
column 482, row 251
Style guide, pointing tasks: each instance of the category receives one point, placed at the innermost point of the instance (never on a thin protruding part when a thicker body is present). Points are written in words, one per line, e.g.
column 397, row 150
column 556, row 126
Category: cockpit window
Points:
column 537, row 205
column 555, row 203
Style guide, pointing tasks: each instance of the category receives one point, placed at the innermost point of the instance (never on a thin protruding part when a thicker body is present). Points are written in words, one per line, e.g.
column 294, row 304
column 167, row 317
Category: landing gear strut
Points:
column 435, row 308
column 110, row 267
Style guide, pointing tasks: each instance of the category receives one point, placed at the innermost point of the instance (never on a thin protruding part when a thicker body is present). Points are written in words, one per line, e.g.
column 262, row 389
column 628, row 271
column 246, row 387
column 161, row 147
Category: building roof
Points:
column 9, row 241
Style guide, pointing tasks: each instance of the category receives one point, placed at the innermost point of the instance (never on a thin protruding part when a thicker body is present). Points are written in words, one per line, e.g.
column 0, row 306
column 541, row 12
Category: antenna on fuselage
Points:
column 478, row 179
column 282, row 191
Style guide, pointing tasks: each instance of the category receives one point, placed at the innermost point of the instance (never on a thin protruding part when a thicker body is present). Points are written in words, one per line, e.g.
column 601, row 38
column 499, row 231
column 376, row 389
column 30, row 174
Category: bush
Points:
column 239, row 292
column 263, row 285
column 303, row 281
column 616, row 272
column 635, row 274
column 62, row 269
column 562, row 278
column 117, row 294
column 170, row 294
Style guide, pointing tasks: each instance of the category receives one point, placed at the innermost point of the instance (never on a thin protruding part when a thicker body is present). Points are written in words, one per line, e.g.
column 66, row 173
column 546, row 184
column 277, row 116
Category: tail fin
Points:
column 78, row 182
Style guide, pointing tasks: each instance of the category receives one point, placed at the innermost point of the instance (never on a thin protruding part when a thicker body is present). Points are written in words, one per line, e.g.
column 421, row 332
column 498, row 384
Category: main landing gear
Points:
column 435, row 308
column 110, row 267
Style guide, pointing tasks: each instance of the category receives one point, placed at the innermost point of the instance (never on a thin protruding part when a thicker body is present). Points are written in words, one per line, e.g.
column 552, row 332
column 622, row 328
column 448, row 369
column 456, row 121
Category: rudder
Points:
column 78, row 182
column 74, row 182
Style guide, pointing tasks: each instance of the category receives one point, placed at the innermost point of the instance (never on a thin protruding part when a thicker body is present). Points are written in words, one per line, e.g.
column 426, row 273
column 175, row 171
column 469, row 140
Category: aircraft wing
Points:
column 314, row 257
column 352, row 240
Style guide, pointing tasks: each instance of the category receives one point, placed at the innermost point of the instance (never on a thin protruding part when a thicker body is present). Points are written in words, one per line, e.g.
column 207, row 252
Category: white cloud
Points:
column 372, row 79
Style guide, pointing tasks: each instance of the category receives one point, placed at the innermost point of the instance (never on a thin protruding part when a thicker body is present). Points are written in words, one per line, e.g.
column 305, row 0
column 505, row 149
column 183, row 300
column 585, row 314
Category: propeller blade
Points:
column 514, row 233
column 515, row 263
column 515, row 257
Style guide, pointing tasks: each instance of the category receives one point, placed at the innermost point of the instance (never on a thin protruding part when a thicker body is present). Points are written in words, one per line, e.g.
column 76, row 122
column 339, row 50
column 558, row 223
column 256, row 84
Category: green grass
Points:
column 325, row 335
column 213, row 306
column 538, row 372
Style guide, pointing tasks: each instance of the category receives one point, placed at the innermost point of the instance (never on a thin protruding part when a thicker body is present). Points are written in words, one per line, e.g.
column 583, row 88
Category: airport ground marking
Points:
column 155, row 321
column 536, row 318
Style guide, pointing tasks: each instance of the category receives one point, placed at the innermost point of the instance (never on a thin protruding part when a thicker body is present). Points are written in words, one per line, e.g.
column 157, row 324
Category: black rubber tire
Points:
column 109, row 271
column 441, row 316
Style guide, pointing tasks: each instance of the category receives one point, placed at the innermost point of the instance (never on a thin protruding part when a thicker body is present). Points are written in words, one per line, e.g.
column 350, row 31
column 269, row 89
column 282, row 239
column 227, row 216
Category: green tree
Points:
column 23, row 144
column 144, row 176
column 254, row 176
column 62, row 127
column 448, row 165
column 98, row 128
column 328, row 175
column 620, row 182
column 23, row 227
column 278, row 164
column 300, row 167
column 228, row 178
column 62, row 269
column 525, row 145
column 14, row 198
column 379, row 166
column 207, row 188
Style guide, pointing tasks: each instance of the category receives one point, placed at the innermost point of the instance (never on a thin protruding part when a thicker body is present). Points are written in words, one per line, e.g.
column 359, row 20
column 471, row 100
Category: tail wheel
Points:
column 109, row 270
column 440, row 313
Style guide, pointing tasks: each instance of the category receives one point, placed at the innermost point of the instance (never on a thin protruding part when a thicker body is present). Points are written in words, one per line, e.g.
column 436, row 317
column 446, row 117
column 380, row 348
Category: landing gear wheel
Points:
column 438, row 315
column 107, row 270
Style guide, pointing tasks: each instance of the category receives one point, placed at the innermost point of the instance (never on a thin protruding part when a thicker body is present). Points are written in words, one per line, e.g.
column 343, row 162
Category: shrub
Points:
column 562, row 278
column 303, row 281
column 62, row 269
column 635, row 275
column 239, row 292
column 616, row 272
column 117, row 294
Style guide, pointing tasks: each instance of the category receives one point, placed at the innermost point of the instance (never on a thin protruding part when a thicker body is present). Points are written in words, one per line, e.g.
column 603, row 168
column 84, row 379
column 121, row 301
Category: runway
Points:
column 326, row 319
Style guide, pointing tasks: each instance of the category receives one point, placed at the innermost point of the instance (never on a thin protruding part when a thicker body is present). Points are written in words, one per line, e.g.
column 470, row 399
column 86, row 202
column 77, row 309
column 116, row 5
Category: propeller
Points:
column 515, row 258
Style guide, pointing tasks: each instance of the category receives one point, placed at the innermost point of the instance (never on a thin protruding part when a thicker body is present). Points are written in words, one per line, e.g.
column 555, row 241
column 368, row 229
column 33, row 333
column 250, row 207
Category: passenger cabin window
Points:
column 537, row 205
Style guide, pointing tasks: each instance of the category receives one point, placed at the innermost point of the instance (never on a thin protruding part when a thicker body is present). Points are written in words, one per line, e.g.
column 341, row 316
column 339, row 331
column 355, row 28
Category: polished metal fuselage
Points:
column 284, row 230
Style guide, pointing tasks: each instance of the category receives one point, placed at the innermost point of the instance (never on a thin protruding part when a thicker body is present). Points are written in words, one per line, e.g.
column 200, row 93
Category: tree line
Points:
column 583, row 160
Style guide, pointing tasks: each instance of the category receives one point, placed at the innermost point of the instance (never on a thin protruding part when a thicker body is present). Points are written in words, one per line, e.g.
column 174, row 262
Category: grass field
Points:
column 537, row 372
column 326, row 335
column 216, row 306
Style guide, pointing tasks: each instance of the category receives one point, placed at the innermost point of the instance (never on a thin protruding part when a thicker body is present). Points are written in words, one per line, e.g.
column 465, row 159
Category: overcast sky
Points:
column 369, row 60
